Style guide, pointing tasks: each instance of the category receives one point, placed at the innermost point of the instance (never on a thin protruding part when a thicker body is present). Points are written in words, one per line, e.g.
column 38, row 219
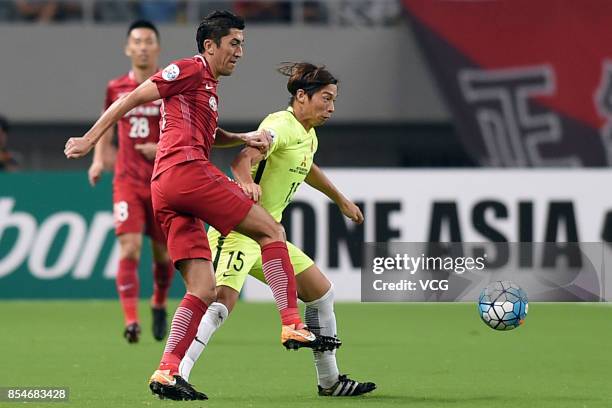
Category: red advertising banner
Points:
column 529, row 83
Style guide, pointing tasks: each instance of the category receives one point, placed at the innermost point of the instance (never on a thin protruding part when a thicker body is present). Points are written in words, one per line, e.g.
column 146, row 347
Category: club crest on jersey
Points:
column 212, row 102
column 171, row 72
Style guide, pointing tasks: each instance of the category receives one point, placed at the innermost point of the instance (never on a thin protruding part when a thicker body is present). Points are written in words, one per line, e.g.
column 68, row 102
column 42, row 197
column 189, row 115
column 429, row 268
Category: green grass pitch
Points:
column 420, row 355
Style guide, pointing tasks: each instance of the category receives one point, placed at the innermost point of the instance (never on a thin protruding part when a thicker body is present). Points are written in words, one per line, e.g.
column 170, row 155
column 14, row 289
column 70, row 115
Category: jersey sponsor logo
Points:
column 302, row 169
column 171, row 72
column 143, row 111
column 208, row 87
column 212, row 102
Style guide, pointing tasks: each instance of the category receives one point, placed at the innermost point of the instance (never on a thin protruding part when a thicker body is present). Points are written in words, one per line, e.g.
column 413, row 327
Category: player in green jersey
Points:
column 272, row 180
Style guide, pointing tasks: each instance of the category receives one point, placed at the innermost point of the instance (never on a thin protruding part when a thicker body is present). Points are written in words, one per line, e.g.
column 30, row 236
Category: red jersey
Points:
column 140, row 125
column 189, row 112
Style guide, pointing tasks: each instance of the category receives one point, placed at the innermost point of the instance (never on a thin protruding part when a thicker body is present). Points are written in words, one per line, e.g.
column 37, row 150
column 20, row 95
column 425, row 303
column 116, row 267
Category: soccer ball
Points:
column 503, row 305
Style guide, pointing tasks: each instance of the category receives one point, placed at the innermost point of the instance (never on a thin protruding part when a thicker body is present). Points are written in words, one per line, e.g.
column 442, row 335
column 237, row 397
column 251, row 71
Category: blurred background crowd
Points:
column 363, row 12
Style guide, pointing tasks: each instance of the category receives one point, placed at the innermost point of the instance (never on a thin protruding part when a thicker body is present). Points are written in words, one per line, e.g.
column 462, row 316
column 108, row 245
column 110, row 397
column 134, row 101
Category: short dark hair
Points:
column 4, row 124
column 306, row 76
column 143, row 24
column 217, row 25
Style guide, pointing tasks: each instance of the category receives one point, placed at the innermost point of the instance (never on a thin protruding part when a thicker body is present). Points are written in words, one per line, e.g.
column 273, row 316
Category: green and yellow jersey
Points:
column 284, row 168
column 287, row 162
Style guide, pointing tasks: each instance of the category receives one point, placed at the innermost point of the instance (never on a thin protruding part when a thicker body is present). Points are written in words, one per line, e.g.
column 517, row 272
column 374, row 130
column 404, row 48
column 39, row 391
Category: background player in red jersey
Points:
column 138, row 133
column 187, row 189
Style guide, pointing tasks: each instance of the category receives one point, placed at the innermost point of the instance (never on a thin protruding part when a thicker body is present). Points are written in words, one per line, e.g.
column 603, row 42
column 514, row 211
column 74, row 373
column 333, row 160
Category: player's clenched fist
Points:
column 350, row 210
column 77, row 147
column 252, row 190
column 260, row 139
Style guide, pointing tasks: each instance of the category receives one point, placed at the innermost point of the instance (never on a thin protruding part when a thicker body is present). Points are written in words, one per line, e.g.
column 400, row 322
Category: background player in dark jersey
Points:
column 187, row 189
column 138, row 134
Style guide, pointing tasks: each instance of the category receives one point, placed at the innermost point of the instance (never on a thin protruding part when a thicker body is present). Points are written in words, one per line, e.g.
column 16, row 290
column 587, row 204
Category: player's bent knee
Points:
column 274, row 233
column 278, row 232
column 203, row 289
column 261, row 227
column 282, row 235
column 199, row 278
column 130, row 251
column 129, row 246
column 205, row 295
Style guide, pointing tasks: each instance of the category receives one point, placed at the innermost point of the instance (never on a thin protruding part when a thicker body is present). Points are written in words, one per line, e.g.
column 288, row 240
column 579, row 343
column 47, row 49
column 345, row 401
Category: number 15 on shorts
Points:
column 238, row 262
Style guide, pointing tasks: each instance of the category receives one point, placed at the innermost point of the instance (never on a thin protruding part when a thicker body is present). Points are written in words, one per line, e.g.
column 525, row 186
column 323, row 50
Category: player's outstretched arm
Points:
column 241, row 169
column 260, row 139
column 77, row 147
column 317, row 179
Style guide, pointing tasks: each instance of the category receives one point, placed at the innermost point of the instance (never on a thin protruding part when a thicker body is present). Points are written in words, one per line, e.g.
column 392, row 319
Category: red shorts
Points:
column 189, row 194
column 133, row 211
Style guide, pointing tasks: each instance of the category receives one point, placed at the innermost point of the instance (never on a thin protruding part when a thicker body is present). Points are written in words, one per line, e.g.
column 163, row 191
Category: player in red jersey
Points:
column 138, row 133
column 187, row 189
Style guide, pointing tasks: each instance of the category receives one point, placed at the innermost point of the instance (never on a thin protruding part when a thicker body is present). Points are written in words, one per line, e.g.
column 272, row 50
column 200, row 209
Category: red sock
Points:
column 162, row 279
column 182, row 332
column 128, row 289
column 280, row 276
